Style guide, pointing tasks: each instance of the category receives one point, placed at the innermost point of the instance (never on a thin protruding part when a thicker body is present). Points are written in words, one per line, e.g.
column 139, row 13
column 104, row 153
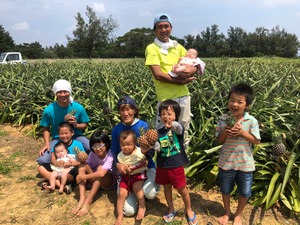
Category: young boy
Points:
column 237, row 131
column 171, row 159
column 65, row 131
column 135, row 164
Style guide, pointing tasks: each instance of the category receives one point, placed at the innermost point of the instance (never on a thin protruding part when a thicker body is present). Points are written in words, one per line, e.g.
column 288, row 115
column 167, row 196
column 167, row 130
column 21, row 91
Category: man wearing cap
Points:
column 161, row 55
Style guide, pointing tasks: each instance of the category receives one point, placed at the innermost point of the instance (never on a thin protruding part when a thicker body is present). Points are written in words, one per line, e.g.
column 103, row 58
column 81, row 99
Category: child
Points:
column 98, row 171
column 171, row 159
column 135, row 164
column 60, row 172
column 65, row 131
column 236, row 162
column 190, row 60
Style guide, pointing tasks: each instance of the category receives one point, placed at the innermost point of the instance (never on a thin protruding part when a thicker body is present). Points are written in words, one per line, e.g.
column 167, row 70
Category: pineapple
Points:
column 80, row 155
column 279, row 148
column 69, row 115
column 143, row 141
column 230, row 121
column 152, row 136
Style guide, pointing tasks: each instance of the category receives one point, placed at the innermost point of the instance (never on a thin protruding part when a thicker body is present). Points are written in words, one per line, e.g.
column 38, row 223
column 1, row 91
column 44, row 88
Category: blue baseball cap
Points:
column 126, row 100
column 162, row 17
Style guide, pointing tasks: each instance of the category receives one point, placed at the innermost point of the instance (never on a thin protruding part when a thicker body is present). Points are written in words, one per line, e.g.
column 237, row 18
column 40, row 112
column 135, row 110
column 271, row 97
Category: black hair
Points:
column 243, row 89
column 67, row 125
column 170, row 103
column 125, row 133
column 100, row 136
column 59, row 143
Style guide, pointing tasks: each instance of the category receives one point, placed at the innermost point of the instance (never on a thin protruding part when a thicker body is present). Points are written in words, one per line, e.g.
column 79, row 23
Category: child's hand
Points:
column 237, row 130
column 60, row 163
column 67, row 164
column 79, row 178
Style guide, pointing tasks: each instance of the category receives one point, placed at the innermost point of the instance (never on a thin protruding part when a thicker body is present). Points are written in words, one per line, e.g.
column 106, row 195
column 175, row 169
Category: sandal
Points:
column 168, row 218
column 68, row 189
column 192, row 221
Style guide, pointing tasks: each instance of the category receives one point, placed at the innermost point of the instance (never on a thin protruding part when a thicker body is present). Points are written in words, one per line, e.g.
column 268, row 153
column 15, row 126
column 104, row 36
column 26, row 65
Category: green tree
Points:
column 237, row 42
column 212, row 43
column 31, row 51
column 6, row 41
column 92, row 36
column 133, row 43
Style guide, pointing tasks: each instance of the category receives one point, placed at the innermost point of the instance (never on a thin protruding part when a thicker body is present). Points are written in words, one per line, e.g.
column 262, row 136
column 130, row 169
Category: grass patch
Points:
column 26, row 178
column 3, row 133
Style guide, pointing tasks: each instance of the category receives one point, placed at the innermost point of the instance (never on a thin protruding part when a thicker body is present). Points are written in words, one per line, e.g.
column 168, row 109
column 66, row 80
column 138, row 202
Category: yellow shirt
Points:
column 166, row 90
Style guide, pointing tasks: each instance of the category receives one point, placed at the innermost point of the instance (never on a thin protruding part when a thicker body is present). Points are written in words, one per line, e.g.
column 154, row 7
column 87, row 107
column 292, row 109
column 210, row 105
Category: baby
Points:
column 60, row 172
column 190, row 60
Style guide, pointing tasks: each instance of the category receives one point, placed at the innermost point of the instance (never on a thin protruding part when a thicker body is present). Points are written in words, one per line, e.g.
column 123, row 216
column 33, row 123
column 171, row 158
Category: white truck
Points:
column 11, row 58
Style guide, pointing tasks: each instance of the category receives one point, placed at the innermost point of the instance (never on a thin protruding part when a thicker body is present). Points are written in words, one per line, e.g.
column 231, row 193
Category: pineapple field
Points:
column 25, row 90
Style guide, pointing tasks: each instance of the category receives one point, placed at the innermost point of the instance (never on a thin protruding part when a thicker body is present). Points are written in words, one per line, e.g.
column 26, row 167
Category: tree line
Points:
column 93, row 38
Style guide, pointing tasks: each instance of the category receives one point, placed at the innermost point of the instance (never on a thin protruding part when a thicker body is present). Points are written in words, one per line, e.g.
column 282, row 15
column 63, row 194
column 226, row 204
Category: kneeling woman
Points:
column 98, row 171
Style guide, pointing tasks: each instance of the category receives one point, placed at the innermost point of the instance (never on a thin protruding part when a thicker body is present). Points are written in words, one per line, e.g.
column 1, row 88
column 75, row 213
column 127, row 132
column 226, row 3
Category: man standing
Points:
column 161, row 55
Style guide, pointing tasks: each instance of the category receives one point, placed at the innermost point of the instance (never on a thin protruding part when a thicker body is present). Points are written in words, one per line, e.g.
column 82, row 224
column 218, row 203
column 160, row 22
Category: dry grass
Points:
column 23, row 201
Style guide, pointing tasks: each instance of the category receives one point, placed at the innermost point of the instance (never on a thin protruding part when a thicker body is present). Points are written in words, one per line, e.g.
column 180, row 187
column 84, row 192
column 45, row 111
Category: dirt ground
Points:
column 23, row 202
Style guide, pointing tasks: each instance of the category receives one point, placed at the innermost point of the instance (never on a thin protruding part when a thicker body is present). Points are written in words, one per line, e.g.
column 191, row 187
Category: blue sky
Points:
column 49, row 21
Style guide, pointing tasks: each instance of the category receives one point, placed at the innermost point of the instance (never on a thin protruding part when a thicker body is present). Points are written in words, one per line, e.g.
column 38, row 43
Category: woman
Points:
column 129, row 114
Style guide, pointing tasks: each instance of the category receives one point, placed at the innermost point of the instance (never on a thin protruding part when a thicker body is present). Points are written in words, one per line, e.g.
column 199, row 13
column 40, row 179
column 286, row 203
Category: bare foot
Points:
column 141, row 213
column 85, row 209
column 119, row 220
column 49, row 188
column 76, row 208
column 237, row 220
column 224, row 219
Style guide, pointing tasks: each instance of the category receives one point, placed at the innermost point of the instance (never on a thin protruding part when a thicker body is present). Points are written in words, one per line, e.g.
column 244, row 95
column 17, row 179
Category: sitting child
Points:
column 190, row 60
column 135, row 163
column 58, row 171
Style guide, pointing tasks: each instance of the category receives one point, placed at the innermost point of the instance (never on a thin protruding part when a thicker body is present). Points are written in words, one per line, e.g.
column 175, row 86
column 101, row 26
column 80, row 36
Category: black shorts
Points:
column 73, row 172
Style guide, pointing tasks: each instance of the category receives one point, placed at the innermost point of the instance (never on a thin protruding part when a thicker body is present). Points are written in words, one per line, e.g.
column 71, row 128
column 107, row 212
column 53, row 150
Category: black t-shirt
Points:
column 172, row 153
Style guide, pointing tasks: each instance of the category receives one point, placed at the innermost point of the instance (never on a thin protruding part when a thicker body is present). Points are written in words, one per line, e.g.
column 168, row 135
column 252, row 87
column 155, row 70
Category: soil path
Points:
column 23, row 202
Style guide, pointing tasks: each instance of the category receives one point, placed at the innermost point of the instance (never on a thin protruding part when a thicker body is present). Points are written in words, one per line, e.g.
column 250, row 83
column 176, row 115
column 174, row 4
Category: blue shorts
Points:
column 227, row 179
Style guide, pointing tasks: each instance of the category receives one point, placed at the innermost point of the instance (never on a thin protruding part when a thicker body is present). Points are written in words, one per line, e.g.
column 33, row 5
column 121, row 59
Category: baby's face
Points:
column 191, row 53
column 60, row 151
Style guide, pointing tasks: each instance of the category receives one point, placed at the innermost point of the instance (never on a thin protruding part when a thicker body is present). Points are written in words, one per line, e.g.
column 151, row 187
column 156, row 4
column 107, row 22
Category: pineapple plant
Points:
column 279, row 150
column 69, row 115
column 80, row 155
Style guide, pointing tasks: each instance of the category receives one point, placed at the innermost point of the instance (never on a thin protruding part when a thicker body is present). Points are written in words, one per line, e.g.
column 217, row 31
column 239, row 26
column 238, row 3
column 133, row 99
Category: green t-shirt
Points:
column 166, row 90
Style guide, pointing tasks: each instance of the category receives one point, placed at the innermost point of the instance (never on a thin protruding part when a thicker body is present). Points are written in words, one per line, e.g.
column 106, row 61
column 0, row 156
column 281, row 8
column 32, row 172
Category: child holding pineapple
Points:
column 56, row 113
column 65, row 131
column 98, row 170
column 237, row 131
column 171, row 158
column 135, row 165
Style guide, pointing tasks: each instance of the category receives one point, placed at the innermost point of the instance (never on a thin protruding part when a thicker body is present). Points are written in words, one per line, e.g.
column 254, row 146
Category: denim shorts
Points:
column 227, row 179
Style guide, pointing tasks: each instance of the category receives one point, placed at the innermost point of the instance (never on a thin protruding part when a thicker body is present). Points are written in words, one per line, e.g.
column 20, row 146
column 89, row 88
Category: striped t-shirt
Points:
column 236, row 152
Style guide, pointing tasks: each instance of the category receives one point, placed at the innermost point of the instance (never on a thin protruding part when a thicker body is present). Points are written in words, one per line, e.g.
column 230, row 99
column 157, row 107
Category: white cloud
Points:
column 21, row 26
column 99, row 7
column 297, row 14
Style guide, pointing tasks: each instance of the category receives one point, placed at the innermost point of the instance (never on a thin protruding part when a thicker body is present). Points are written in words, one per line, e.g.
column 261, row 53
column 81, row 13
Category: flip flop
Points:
column 168, row 218
column 192, row 221
column 68, row 189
